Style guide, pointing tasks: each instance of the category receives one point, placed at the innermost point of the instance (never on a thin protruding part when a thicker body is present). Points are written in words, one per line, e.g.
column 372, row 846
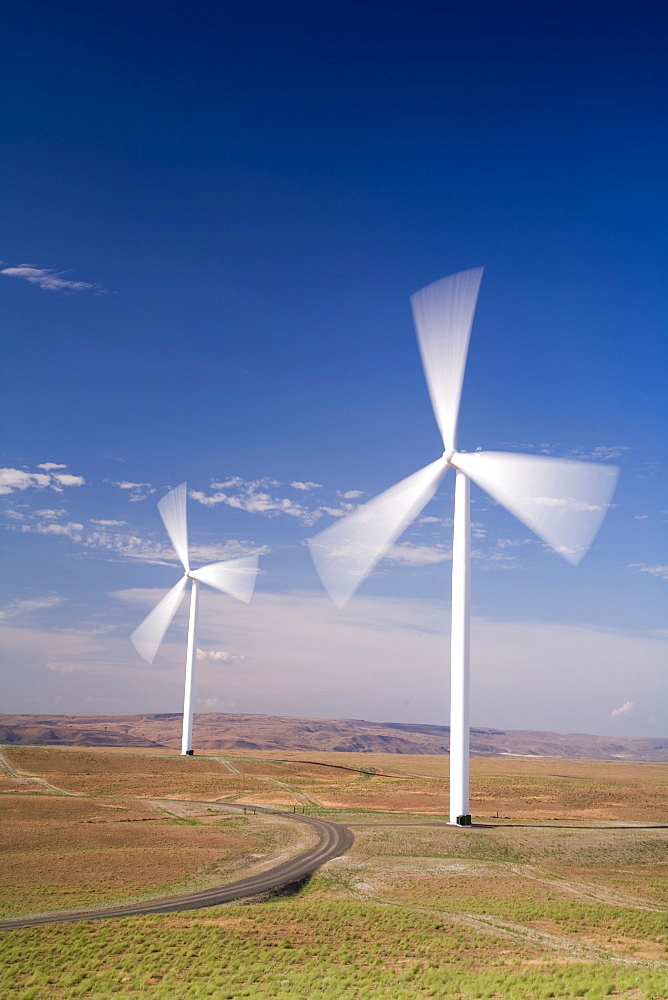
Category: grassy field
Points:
column 565, row 895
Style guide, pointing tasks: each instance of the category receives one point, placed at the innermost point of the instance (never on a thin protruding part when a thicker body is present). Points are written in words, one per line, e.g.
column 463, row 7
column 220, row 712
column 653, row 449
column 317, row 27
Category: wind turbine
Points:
column 235, row 577
column 562, row 501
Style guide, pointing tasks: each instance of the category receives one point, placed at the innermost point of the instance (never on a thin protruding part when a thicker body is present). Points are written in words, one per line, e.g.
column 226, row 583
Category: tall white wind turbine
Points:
column 235, row 577
column 562, row 501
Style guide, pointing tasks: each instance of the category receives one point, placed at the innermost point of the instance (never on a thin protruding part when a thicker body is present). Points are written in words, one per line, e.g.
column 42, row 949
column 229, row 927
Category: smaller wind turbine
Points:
column 235, row 577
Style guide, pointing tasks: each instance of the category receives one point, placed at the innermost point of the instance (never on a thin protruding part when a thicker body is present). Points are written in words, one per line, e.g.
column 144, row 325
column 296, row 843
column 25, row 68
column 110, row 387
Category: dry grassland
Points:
column 565, row 898
column 544, row 883
column 8, row 784
column 62, row 852
column 530, row 788
column 298, row 773
column 93, row 772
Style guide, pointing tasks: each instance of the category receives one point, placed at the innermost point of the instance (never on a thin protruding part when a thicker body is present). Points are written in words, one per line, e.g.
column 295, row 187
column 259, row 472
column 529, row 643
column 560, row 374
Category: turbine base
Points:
column 463, row 821
column 188, row 753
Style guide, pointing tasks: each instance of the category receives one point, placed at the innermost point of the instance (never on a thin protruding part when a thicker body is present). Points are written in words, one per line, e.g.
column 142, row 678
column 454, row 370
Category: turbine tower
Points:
column 562, row 501
column 235, row 577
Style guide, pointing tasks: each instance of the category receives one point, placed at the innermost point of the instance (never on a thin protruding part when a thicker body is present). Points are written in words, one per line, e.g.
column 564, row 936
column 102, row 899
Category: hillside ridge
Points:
column 224, row 731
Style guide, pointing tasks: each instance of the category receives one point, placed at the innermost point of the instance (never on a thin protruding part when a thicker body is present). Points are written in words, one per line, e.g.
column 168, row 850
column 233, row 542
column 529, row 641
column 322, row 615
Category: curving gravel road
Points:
column 334, row 841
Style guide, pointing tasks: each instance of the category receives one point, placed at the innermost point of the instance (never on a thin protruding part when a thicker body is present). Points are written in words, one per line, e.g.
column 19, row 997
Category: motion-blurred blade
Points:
column 172, row 509
column 147, row 637
column 443, row 314
column 564, row 502
column 235, row 577
column 348, row 550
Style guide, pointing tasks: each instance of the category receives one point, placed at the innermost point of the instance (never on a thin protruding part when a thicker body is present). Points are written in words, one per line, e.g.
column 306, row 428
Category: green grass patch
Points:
column 299, row 949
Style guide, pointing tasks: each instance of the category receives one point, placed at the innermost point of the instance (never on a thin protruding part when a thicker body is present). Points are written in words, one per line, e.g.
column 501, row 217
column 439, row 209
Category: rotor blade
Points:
column 443, row 314
column 235, row 577
column 564, row 502
column 348, row 550
column 172, row 509
column 147, row 637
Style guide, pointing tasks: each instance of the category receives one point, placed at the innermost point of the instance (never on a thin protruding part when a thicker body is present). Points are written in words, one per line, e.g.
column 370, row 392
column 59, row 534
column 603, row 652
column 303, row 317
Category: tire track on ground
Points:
column 28, row 779
column 499, row 927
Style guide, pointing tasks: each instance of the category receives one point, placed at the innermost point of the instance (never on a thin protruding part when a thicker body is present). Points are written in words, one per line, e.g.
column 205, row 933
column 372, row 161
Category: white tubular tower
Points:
column 191, row 655
column 460, row 655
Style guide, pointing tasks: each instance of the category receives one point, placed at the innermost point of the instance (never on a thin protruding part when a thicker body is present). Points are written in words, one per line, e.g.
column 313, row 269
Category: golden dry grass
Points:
column 92, row 772
column 295, row 774
column 60, row 852
column 553, row 887
column 514, row 787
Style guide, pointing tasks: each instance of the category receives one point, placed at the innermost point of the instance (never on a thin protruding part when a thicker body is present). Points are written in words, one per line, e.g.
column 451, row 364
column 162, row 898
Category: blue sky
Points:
column 214, row 218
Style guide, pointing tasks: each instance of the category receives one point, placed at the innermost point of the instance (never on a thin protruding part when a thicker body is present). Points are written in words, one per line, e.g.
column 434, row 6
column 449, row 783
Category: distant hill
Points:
column 215, row 731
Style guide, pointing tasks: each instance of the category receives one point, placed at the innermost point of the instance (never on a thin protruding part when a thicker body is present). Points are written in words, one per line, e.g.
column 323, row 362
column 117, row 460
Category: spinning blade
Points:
column 348, row 550
column 235, row 577
column 564, row 502
column 443, row 314
column 147, row 637
column 172, row 509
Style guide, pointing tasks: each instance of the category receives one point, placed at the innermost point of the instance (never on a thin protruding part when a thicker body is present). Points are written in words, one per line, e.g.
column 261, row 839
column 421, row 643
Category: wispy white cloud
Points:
column 647, row 470
column 51, row 280
column 220, row 656
column 65, row 479
column 512, row 543
column 624, row 709
column 50, row 466
column 306, row 486
column 18, row 609
column 72, row 529
column 411, row 554
column 340, row 511
column 68, row 667
column 257, row 496
column 137, row 491
column 105, row 523
column 231, row 549
column 19, row 479
column 545, row 447
column 496, row 560
column 117, row 544
column 12, row 480
column 15, row 515
column 602, row 453
column 659, row 571
column 566, row 503
column 351, row 494
column 128, row 546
